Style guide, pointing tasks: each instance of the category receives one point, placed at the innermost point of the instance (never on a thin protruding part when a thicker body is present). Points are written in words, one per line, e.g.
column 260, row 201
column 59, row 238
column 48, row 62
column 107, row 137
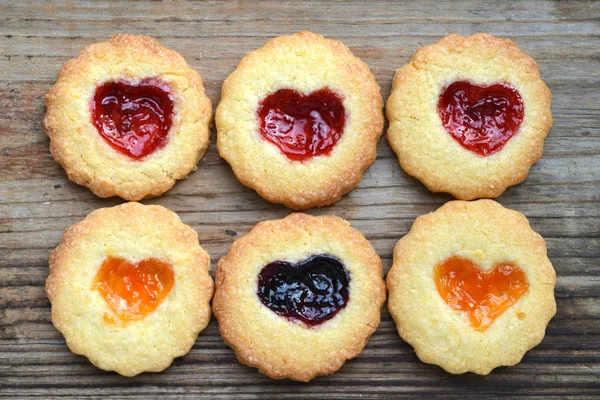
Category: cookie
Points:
column 299, row 296
column 130, row 288
column 127, row 118
column 468, row 115
column 471, row 287
column 299, row 120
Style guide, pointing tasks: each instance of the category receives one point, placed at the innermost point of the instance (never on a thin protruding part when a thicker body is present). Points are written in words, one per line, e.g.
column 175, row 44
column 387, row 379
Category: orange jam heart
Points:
column 132, row 291
column 484, row 296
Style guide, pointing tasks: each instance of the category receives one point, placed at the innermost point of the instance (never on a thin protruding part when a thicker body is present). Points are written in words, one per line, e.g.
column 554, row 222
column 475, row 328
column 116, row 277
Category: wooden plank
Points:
column 560, row 196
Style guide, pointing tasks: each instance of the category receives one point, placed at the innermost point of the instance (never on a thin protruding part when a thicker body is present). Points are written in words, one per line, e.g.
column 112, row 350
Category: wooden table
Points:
column 560, row 197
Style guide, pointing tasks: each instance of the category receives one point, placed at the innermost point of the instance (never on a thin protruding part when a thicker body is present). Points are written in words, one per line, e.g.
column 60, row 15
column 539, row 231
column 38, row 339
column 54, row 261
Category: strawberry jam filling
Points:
column 302, row 126
column 483, row 296
column 133, row 291
column 133, row 119
column 481, row 118
column 311, row 291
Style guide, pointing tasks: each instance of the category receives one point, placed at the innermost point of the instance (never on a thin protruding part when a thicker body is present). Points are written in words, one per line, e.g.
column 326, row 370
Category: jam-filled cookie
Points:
column 127, row 117
column 471, row 287
column 130, row 288
column 299, row 296
column 299, row 120
column 468, row 115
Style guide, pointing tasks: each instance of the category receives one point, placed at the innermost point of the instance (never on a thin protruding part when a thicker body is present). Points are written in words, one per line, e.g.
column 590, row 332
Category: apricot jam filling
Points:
column 483, row 296
column 481, row 118
column 134, row 119
column 132, row 291
column 302, row 126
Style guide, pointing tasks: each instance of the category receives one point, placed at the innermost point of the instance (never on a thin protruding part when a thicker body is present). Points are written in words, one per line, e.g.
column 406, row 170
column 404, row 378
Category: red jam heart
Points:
column 311, row 291
column 481, row 118
column 134, row 119
column 302, row 126
column 484, row 296
column 133, row 291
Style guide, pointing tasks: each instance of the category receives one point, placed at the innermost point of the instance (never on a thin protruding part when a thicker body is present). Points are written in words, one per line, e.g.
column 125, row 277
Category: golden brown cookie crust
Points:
column 86, row 157
column 280, row 348
column 131, row 231
column 486, row 233
column 424, row 148
column 304, row 62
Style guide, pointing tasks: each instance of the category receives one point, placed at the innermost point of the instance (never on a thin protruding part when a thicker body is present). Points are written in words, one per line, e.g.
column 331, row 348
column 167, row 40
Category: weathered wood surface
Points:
column 561, row 196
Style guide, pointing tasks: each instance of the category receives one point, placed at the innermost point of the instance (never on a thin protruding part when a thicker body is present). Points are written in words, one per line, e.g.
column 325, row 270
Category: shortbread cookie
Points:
column 471, row 288
column 299, row 296
column 299, row 120
column 468, row 115
column 130, row 288
column 127, row 118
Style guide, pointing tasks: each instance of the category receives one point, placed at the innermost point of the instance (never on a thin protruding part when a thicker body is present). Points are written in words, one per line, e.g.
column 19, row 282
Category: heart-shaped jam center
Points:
column 311, row 291
column 134, row 119
column 132, row 291
column 481, row 118
column 302, row 126
column 484, row 296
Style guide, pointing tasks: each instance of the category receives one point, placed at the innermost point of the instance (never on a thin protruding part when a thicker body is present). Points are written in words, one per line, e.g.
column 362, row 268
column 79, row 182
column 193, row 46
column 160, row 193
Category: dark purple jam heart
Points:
column 312, row 291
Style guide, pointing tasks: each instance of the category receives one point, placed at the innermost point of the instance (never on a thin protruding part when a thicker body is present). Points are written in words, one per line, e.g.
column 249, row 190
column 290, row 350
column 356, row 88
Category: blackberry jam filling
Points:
column 311, row 291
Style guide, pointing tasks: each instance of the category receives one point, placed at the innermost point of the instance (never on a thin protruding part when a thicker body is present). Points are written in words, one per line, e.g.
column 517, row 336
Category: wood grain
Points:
column 560, row 197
